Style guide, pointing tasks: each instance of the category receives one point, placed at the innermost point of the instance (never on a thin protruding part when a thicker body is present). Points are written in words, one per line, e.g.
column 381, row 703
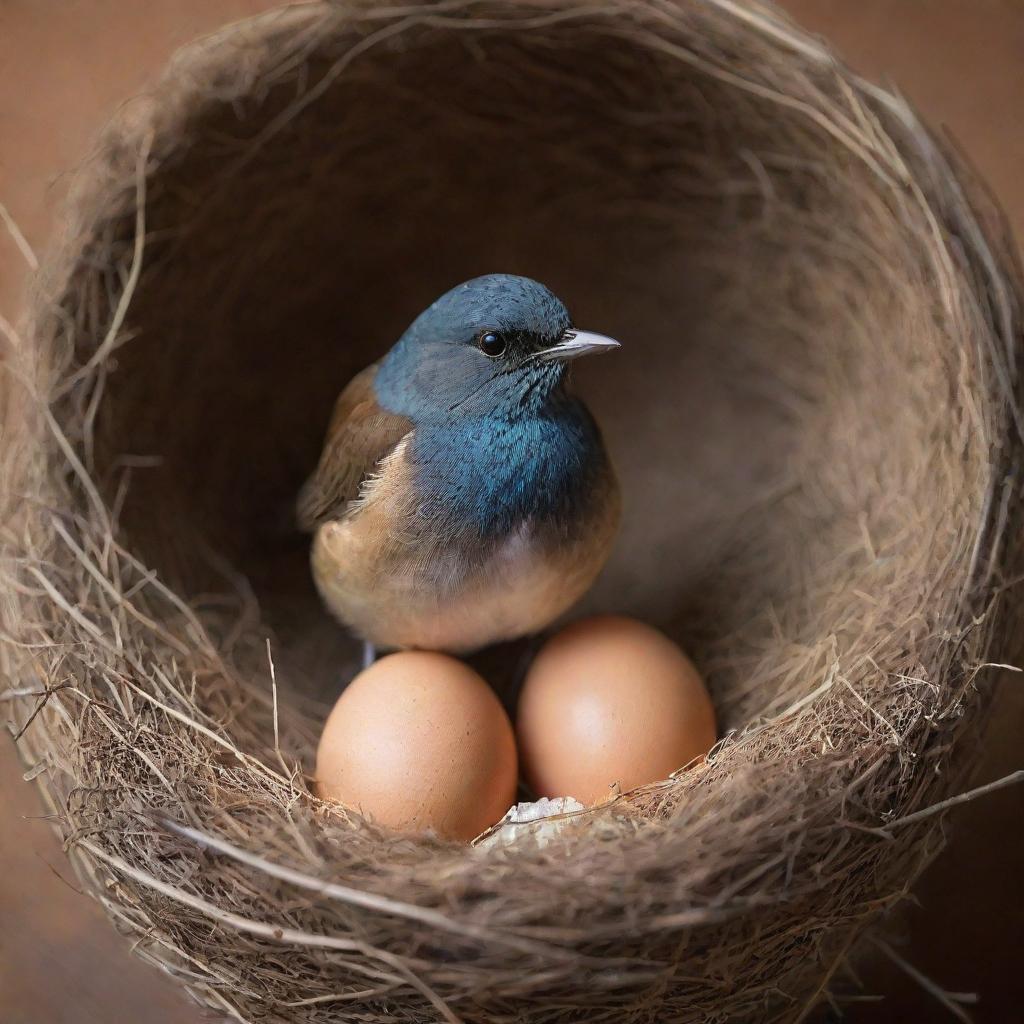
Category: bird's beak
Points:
column 574, row 344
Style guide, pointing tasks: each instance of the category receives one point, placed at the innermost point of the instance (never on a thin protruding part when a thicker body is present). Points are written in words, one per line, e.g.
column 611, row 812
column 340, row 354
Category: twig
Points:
column 19, row 239
column 277, row 731
column 110, row 339
column 962, row 798
column 948, row 999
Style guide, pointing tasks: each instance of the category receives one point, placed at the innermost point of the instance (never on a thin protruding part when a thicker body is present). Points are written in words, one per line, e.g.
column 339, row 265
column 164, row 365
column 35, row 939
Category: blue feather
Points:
column 492, row 473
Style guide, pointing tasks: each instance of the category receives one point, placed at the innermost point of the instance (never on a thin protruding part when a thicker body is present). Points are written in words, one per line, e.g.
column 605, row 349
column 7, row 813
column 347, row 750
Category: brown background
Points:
column 65, row 65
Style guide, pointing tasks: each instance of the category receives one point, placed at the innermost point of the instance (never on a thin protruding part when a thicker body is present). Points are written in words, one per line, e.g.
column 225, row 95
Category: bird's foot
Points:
column 369, row 654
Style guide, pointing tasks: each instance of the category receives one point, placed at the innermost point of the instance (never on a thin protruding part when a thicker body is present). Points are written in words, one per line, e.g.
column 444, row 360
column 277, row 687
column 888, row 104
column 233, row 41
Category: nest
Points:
column 816, row 421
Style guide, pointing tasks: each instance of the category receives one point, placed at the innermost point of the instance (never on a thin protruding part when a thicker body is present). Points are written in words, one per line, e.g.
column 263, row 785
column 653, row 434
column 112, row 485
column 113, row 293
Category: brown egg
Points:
column 610, row 703
column 419, row 741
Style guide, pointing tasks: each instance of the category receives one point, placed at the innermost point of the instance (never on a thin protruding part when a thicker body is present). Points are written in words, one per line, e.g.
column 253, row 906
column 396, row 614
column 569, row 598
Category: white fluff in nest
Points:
column 540, row 820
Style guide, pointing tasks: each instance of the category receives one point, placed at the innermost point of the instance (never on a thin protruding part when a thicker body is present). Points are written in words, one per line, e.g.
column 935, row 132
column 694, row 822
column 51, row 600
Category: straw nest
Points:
column 815, row 417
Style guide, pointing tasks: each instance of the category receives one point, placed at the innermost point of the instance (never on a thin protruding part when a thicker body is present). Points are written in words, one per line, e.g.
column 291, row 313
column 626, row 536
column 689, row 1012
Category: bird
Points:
column 464, row 495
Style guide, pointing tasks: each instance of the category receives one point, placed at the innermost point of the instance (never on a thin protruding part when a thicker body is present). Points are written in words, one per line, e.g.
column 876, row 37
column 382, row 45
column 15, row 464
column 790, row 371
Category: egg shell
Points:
column 608, row 704
column 419, row 741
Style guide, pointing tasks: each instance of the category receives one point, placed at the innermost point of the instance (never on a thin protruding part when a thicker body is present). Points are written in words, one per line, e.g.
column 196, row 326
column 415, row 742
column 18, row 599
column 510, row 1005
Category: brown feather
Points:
column 359, row 436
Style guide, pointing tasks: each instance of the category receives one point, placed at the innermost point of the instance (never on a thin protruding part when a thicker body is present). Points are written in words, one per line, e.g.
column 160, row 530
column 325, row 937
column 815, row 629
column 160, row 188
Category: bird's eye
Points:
column 491, row 343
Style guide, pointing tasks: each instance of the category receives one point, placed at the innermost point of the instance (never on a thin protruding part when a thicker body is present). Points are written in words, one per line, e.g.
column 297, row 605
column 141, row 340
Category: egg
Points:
column 608, row 704
column 419, row 741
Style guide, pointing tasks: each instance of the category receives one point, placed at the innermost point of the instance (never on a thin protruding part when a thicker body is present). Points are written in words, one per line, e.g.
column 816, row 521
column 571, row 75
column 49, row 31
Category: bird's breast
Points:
column 451, row 553
column 490, row 475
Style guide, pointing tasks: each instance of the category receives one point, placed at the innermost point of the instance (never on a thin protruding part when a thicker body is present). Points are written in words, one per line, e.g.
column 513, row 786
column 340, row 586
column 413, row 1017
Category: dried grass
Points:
column 816, row 417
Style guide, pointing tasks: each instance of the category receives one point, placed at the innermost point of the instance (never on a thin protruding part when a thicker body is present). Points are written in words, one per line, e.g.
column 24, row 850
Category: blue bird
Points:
column 464, row 496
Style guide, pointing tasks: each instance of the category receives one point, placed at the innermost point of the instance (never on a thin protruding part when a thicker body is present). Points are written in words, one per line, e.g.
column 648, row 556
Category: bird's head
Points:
column 495, row 345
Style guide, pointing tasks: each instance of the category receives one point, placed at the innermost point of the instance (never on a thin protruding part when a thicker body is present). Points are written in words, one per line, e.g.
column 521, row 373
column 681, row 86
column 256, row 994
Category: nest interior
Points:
column 812, row 419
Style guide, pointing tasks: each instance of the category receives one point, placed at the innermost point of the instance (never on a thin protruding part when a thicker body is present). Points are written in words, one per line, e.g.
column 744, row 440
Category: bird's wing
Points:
column 360, row 434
